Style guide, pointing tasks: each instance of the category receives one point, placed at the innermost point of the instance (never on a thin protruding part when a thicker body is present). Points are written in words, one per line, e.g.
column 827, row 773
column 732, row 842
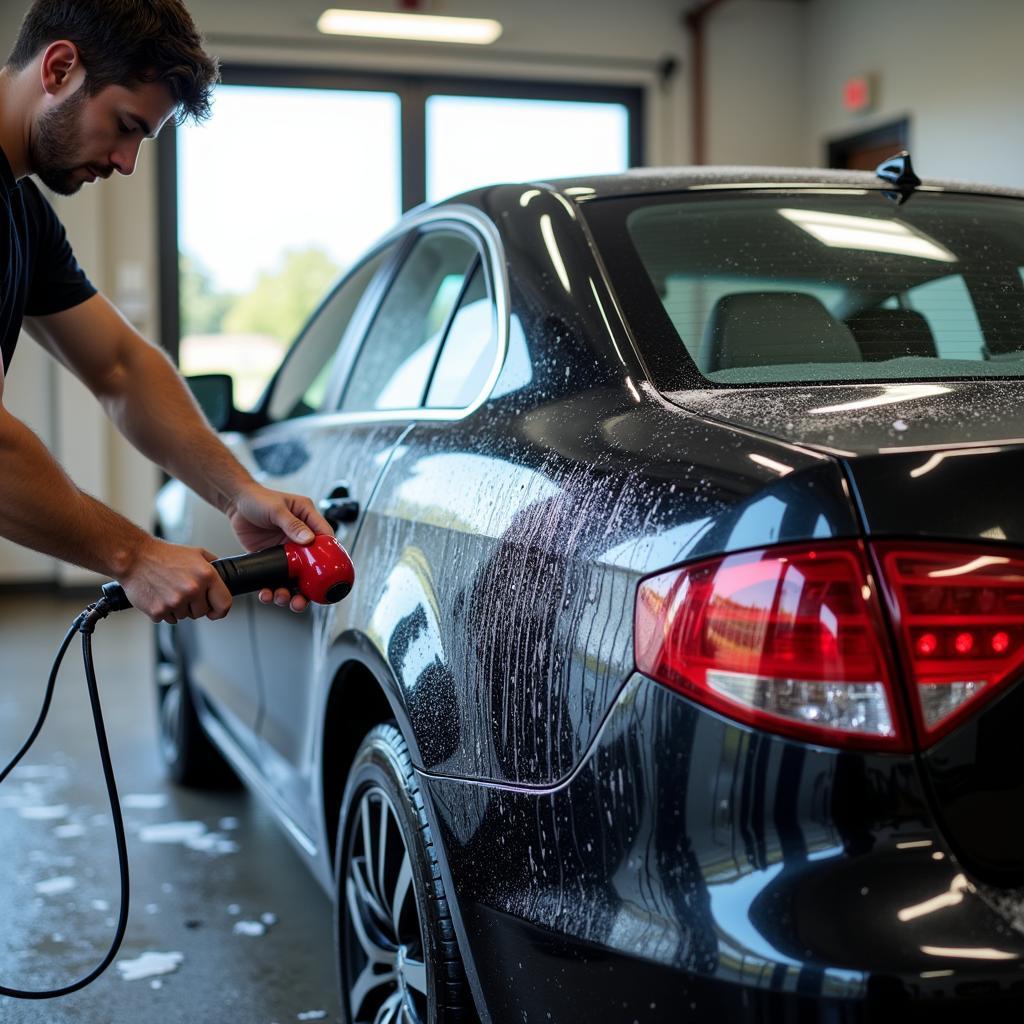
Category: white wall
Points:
column 953, row 66
column 754, row 70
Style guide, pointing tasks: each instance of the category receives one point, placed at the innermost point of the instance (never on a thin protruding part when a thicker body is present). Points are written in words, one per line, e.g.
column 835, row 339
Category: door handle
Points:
column 338, row 508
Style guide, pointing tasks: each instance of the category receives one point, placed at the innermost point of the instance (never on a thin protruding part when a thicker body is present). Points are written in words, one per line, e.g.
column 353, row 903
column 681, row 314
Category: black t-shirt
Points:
column 39, row 273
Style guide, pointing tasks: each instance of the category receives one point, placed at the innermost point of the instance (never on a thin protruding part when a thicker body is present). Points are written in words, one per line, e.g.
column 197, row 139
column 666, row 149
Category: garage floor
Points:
column 251, row 926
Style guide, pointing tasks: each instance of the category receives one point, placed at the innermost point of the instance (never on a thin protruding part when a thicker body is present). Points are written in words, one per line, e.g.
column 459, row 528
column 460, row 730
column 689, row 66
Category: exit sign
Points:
column 859, row 94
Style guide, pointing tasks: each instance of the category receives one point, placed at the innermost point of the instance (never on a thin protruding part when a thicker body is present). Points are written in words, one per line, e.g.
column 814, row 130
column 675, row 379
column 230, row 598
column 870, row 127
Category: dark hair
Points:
column 126, row 42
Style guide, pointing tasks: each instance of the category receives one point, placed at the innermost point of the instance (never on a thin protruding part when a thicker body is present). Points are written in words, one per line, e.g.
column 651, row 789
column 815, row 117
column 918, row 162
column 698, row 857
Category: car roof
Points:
column 652, row 180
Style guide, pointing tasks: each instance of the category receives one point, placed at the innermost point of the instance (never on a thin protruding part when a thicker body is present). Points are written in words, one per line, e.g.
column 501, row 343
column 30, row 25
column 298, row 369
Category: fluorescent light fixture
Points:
column 430, row 28
column 873, row 234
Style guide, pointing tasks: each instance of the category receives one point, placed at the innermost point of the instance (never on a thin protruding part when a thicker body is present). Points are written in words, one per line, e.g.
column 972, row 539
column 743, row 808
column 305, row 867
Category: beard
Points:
column 55, row 146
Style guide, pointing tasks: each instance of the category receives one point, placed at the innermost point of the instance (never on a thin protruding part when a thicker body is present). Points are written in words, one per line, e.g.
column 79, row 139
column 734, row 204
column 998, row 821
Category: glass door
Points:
column 479, row 140
column 277, row 194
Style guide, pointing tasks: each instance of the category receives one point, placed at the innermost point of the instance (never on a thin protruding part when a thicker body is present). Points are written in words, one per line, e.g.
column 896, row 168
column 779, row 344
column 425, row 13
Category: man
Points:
column 86, row 83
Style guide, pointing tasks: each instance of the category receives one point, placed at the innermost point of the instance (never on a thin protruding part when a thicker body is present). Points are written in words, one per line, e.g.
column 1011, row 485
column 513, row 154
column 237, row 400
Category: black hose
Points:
column 84, row 624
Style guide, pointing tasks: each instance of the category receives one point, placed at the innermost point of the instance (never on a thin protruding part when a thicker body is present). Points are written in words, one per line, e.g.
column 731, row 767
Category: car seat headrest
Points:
column 773, row 328
column 891, row 333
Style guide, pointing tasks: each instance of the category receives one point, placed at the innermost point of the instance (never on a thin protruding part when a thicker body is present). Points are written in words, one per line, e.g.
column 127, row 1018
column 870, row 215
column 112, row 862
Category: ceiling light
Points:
column 869, row 233
column 421, row 27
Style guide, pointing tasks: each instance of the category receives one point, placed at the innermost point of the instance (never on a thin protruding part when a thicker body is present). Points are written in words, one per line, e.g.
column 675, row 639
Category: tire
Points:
column 399, row 967
column 188, row 755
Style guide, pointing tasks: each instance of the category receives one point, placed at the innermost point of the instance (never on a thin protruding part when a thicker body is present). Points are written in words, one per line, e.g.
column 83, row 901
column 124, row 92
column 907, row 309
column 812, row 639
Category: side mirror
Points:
column 215, row 394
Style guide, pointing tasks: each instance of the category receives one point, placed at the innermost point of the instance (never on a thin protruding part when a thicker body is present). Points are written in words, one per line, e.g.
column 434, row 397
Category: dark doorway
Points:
column 866, row 150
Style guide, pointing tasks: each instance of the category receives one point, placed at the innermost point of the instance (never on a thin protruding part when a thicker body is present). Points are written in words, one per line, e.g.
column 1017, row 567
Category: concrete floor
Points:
column 58, row 867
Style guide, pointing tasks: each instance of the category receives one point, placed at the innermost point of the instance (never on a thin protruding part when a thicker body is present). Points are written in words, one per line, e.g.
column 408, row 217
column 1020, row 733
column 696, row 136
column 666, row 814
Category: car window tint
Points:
column 825, row 285
column 469, row 349
column 395, row 361
column 691, row 299
column 947, row 307
column 302, row 383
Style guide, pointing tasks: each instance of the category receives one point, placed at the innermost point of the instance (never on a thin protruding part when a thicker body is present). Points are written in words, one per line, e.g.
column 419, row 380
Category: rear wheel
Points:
column 398, row 956
column 190, row 757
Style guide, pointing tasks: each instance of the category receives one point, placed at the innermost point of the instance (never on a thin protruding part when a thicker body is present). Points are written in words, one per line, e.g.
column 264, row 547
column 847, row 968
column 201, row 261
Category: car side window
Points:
column 301, row 386
column 469, row 348
column 394, row 364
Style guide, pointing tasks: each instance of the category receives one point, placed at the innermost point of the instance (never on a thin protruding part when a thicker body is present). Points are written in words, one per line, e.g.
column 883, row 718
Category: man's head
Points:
column 112, row 72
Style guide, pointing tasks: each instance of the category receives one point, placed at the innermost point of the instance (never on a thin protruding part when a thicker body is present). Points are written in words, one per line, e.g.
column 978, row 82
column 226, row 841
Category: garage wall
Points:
column 755, row 103
column 952, row 67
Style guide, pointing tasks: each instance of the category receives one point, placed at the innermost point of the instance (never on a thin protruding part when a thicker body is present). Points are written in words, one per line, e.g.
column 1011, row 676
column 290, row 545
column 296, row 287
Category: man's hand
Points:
column 170, row 582
column 263, row 518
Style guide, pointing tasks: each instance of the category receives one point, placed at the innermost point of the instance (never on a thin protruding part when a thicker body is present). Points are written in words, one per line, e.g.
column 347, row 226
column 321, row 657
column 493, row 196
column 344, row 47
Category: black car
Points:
column 678, row 682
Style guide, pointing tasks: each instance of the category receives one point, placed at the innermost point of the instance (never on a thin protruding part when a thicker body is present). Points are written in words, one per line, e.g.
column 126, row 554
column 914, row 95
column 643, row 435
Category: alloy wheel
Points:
column 386, row 968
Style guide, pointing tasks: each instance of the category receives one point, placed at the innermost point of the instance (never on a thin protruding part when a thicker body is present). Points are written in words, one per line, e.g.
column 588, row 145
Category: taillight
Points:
column 785, row 639
column 792, row 640
column 959, row 612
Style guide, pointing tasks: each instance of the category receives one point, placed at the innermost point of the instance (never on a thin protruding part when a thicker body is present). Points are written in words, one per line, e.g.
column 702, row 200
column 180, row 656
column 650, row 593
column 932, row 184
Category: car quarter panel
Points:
column 689, row 843
column 498, row 569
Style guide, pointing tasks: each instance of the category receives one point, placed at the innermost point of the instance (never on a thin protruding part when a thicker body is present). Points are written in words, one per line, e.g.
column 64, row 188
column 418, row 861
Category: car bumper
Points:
column 691, row 867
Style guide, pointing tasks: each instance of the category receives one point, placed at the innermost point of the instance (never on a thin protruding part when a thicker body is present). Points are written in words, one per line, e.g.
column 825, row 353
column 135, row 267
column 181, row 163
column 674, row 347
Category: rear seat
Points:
column 771, row 329
column 891, row 333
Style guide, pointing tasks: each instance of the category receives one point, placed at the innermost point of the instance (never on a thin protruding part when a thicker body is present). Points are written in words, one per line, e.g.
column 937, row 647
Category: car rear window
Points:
column 770, row 286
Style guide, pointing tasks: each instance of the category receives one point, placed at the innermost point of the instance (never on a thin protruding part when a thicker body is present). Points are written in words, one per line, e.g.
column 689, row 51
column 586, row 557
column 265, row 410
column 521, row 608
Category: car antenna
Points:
column 898, row 171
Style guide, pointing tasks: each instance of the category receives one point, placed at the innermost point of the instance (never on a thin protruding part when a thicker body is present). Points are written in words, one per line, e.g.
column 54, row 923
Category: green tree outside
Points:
column 202, row 308
column 282, row 299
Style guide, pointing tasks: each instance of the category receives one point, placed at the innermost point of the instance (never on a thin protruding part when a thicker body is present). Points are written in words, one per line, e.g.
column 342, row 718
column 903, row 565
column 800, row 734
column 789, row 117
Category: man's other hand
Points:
column 263, row 518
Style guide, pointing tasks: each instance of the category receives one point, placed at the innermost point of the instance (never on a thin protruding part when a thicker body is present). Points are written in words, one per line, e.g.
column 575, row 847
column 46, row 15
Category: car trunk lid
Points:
column 941, row 464
column 907, row 448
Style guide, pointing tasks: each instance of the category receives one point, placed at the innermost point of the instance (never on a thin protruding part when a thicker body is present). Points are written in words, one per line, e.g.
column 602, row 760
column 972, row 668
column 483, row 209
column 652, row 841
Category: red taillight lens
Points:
column 786, row 639
column 960, row 615
column 792, row 640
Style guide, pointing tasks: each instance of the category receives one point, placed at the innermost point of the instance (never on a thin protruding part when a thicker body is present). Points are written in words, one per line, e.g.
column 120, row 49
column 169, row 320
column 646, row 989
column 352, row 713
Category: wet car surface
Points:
column 687, row 528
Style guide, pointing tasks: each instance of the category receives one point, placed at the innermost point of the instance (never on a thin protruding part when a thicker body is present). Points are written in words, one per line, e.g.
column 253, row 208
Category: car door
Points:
column 382, row 387
column 222, row 657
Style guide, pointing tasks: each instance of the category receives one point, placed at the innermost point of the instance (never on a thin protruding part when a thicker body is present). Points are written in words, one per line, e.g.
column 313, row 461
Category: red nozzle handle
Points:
column 322, row 572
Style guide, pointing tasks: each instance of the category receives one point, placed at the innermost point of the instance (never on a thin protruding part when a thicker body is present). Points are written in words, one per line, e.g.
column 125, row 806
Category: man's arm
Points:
column 152, row 406
column 41, row 508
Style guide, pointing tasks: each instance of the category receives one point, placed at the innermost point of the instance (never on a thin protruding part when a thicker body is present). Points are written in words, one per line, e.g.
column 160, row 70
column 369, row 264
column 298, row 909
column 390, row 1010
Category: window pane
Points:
column 398, row 354
column 949, row 313
column 302, row 385
column 479, row 140
column 828, row 285
column 469, row 349
column 259, row 245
